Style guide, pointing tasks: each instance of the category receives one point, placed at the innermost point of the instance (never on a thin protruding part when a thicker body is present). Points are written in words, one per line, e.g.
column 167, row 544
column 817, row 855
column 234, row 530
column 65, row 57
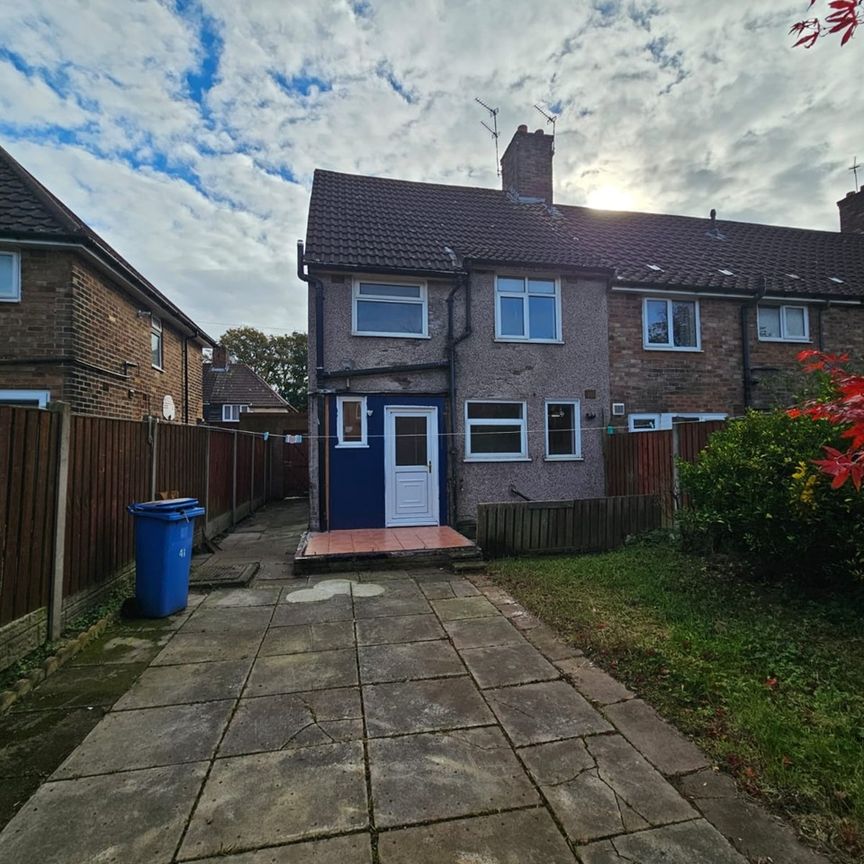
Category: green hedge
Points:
column 755, row 494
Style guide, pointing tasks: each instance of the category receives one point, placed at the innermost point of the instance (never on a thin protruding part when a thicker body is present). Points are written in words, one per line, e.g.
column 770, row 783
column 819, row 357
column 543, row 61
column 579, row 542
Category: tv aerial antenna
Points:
column 854, row 169
column 551, row 119
column 492, row 130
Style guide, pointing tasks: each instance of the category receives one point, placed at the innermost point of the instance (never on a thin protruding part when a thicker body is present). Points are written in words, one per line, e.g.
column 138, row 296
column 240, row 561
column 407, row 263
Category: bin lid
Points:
column 166, row 506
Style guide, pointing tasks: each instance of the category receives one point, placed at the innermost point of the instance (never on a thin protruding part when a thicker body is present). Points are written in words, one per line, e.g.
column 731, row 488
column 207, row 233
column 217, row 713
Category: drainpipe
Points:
column 462, row 280
column 319, row 374
column 186, row 339
column 745, row 340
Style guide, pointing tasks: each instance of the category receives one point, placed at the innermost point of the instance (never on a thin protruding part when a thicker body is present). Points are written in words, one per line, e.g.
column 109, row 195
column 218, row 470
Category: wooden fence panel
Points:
column 244, row 469
column 28, row 468
column 296, row 469
column 544, row 527
column 221, row 473
column 259, row 473
column 181, row 462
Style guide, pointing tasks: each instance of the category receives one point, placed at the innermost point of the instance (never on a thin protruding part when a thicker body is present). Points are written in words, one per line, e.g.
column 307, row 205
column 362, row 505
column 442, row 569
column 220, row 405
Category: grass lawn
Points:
column 768, row 681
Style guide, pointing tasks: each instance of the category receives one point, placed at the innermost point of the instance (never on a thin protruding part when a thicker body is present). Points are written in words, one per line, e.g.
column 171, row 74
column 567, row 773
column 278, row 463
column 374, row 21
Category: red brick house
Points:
column 233, row 390
column 78, row 323
column 470, row 344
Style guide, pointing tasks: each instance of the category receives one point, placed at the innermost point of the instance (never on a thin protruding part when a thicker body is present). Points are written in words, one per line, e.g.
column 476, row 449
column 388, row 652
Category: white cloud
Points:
column 685, row 106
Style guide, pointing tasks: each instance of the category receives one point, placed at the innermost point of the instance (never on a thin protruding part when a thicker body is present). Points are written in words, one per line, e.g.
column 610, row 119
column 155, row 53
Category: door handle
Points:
column 429, row 465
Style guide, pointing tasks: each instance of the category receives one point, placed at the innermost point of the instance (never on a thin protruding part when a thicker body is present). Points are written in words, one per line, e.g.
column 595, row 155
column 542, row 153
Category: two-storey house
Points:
column 470, row 344
column 78, row 323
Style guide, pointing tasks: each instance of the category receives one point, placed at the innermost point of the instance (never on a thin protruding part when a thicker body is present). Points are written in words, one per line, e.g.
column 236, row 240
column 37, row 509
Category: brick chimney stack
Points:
column 852, row 213
column 220, row 358
column 526, row 167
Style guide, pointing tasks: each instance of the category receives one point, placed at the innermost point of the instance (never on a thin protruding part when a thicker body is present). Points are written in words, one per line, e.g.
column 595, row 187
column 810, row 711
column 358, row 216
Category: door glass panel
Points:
column 411, row 443
column 562, row 429
column 352, row 421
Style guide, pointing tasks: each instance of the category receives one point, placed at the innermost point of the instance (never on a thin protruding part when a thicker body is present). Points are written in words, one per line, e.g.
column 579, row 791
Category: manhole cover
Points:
column 222, row 575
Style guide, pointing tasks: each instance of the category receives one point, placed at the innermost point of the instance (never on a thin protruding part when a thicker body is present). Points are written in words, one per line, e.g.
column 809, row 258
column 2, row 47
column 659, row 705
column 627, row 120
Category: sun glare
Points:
column 610, row 198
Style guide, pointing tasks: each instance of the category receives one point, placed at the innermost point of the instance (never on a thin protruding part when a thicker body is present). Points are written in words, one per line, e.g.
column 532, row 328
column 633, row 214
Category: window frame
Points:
column 43, row 397
column 364, row 422
column 241, row 409
column 669, row 346
column 16, row 276
column 664, row 419
column 524, row 296
column 576, row 456
column 783, row 309
column 158, row 329
column 496, row 457
column 422, row 300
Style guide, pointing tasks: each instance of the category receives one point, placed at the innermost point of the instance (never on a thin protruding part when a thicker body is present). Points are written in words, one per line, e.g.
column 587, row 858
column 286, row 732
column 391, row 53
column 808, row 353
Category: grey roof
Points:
column 240, row 385
column 376, row 223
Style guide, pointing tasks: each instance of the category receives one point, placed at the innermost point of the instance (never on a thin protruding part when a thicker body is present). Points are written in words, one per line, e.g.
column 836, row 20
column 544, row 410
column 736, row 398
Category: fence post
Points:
column 206, row 478
column 234, row 481
column 676, row 450
column 153, row 436
column 252, row 479
column 55, row 607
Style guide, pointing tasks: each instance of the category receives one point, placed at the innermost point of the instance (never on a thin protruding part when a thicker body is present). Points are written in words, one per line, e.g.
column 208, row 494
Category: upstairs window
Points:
column 10, row 277
column 783, row 324
column 670, row 325
column 496, row 431
column 527, row 310
column 231, row 413
column 156, row 342
column 563, row 432
column 390, row 309
column 351, row 421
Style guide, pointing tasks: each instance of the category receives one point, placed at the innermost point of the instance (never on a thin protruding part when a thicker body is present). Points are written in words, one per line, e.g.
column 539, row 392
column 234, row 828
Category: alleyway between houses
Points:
column 392, row 717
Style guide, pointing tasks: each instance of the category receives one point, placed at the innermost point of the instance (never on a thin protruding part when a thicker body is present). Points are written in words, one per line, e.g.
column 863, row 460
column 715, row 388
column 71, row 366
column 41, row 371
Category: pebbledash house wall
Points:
column 486, row 369
column 712, row 379
column 70, row 313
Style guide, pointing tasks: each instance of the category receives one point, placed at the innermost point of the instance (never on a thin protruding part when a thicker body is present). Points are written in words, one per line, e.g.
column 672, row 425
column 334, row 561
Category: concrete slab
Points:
column 271, row 798
column 593, row 683
column 437, row 590
column 241, row 597
column 14, row 794
column 419, row 778
column 199, row 647
column 685, row 843
column 387, row 605
column 188, row 682
column 500, row 665
column 534, row 713
column 549, row 643
column 82, row 686
column 351, row 849
column 424, row 706
column 483, row 632
column 463, row 607
column 120, row 646
column 308, row 637
column 131, row 818
column 557, row 761
column 149, row 738
column 337, row 608
column 240, row 619
column 463, row 588
column 663, row 745
column 520, row 837
column 293, row 720
column 399, row 628
column 294, row 673
column 412, row 660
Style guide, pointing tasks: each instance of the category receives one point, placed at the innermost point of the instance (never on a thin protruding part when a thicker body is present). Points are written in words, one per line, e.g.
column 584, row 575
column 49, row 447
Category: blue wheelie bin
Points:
column 163, row 553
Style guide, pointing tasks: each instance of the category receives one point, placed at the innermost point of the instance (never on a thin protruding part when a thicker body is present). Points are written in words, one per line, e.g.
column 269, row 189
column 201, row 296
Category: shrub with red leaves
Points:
column 846, row 16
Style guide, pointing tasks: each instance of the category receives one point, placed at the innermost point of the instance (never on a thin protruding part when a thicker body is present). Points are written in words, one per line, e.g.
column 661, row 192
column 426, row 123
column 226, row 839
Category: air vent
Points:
column 618, row 409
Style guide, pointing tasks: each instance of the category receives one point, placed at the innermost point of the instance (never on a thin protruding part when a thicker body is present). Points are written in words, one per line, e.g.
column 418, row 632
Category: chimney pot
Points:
column 526, row 166
column 522, row 128
column 538, row 132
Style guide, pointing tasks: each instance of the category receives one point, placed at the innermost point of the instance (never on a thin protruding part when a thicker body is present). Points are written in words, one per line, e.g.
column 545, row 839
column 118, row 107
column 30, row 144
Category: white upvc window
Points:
column 652, row 422
column 381, row 307
column 670, row 325
column 783, row 323
column 156, row 353
column 527, row 309
column 33, row 398
column 496, row 431
column 231, row 413
column 563, row 429
column 351, row 421
column 10, row 277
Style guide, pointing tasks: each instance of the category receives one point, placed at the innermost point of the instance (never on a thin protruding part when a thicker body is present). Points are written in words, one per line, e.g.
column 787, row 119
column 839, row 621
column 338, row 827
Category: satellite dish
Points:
column 169, row 412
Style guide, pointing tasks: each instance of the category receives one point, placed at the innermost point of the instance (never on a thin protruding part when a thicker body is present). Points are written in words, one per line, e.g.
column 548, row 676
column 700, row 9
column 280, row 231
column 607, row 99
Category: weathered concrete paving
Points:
column 382, row 718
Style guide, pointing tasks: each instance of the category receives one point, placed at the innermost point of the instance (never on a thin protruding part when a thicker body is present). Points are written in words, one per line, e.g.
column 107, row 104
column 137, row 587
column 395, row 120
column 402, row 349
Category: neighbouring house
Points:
column 234, row 392
column 78, row 323
column 469, row 344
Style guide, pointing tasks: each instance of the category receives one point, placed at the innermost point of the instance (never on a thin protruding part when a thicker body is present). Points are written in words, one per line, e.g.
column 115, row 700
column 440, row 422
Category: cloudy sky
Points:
column 186, row 131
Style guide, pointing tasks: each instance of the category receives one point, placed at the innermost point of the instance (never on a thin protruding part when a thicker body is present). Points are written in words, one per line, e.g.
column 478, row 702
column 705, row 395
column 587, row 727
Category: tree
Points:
column 279, row 360
column 846, row 17
column 843, row 405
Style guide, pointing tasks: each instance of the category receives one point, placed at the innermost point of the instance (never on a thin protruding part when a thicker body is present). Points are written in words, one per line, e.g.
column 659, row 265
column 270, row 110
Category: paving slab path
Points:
column 378, row 718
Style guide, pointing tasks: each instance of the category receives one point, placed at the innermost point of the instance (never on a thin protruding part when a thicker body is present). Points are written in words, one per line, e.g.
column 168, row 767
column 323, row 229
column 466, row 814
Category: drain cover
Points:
column 212, row 575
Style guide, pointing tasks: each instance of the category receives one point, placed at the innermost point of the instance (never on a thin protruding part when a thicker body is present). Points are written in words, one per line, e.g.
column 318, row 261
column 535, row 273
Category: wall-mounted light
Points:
column 143, row 313
column 590, row 415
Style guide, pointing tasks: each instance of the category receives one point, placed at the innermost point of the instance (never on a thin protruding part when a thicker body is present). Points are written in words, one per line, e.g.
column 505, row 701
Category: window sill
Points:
column 671, row 348
column 563, row 458
column 393, row 335
column 790, row 341
column 498, row 459
column 10, row 299
column 157, row 368
column 351, row 446
column 516, row 341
